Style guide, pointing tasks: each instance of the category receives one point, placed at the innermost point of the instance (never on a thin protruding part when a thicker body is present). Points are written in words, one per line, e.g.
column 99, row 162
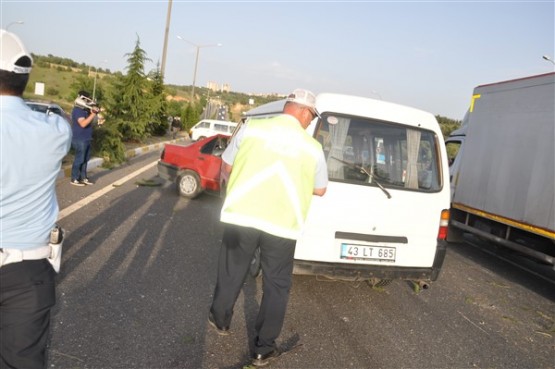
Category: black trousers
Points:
column 27, row 293
column 276, row 258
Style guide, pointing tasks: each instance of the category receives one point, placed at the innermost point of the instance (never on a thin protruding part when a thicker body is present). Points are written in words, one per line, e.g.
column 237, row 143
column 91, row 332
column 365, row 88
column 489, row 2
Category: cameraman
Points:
column 82, row 119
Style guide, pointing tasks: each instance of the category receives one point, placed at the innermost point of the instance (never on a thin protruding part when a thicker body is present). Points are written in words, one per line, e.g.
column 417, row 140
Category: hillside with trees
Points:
column 137, row 104
column 447, row 125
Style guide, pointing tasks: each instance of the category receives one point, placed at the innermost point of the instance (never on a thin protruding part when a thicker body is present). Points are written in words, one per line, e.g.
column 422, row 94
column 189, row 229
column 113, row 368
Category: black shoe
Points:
column 222, row 331
column 264, row 359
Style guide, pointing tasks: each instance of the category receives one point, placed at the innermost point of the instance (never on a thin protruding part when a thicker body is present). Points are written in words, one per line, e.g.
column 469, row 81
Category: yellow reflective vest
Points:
column 271, row 184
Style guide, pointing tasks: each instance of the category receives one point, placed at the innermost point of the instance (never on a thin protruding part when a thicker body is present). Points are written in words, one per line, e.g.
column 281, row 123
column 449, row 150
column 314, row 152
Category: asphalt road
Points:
column 139, row 268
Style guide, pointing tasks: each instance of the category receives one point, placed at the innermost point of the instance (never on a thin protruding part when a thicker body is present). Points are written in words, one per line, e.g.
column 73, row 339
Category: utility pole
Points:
column 168, row 18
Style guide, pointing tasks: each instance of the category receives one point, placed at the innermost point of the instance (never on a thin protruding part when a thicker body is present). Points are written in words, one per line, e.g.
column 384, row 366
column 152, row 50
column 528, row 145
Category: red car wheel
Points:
column 188, row 184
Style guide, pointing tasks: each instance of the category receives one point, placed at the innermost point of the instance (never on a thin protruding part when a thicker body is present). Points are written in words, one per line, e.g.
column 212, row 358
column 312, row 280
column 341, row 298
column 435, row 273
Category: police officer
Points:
column 275, row 168
column 32, row 148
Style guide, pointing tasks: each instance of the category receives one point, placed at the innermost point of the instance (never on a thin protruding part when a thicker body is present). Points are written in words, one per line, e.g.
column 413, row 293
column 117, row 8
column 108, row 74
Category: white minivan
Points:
column 386, row 210
column 210, row 127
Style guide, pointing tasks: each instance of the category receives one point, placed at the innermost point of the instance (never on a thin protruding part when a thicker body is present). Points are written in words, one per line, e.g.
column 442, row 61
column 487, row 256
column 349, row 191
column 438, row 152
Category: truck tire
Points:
column 188, row 184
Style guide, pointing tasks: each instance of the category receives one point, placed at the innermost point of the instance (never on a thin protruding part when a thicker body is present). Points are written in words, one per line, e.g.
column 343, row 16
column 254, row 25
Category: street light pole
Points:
column 545, row 57
column 12, row 23
column 196, row 62
column 195, row 74
column 94, row 84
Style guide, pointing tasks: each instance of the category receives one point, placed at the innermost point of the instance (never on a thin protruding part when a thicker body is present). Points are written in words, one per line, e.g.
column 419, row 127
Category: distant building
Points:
column 214, row 86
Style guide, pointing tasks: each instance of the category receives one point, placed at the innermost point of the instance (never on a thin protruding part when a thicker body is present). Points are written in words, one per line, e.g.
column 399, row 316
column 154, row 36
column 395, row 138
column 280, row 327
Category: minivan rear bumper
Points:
column 350, row 272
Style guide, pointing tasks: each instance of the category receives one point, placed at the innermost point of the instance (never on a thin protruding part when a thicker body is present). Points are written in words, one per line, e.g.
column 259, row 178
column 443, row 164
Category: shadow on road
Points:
column 507, row 264
column 135, row 286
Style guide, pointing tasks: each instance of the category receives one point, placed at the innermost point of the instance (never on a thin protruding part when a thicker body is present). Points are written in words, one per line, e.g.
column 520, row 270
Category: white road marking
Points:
column 87, row 200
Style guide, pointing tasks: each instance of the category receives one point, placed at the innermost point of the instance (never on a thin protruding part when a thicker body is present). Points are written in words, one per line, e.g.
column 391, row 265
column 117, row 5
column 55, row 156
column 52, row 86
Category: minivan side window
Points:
column 220, row 127
column 204, row 125
column 372, row 152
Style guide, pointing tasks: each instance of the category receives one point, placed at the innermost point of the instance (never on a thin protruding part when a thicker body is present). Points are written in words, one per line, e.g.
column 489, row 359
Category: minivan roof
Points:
column 376, row 109
column 358, row 106
column 216, row 121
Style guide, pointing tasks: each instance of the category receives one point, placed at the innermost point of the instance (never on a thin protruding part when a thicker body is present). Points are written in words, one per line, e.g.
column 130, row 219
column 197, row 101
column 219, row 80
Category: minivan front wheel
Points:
column 188, row 184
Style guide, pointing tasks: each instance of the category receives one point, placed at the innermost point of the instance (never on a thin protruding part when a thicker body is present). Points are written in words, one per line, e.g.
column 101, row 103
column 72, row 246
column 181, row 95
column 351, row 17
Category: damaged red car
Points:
column 195, row 166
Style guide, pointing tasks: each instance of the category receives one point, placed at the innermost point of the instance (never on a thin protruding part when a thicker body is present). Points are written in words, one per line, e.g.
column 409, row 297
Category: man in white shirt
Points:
column 32, row 146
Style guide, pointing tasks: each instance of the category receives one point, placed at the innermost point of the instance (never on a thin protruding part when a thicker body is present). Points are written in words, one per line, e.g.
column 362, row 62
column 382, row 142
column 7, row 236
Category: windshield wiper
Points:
column 370, row 175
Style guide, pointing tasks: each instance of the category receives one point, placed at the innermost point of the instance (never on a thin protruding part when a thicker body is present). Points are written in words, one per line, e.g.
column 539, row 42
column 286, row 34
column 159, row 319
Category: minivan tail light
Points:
column 443, row 225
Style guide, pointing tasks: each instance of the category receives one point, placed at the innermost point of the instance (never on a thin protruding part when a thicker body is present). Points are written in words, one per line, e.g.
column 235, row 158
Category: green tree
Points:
column 190, row 115
column 107, row 143
column 175, row 108
column 85, row 83
column 128, row 106
column 447, row 125
column 158, row 105
column 81, row 83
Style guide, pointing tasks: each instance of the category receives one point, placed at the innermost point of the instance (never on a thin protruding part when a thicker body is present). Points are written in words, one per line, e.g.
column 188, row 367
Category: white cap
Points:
column 11, row 51
column 303, row 97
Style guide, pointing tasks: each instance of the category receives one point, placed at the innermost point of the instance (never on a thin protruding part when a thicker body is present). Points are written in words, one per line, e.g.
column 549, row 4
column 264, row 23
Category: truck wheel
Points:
column 188, row 184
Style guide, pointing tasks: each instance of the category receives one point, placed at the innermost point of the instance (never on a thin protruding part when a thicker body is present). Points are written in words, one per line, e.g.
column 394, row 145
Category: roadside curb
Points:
column 93, row 163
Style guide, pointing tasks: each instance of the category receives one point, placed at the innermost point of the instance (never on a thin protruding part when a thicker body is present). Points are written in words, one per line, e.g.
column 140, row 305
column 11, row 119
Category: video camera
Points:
column 85, row 102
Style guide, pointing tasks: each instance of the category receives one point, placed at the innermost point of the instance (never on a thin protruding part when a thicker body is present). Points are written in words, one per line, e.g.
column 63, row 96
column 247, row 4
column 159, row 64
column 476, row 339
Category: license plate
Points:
column 351, row 251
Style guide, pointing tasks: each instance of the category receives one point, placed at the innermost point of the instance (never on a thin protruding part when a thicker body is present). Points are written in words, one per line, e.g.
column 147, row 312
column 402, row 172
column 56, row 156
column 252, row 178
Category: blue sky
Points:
column 425, row 54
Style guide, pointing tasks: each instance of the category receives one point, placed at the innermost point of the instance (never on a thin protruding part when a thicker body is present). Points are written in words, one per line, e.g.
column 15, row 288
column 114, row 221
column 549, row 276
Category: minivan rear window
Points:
column 373, row 153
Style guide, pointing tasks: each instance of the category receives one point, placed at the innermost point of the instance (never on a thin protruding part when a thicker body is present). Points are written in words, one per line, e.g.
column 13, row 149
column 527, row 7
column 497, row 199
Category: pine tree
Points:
column 158, row 105
column 129, row 103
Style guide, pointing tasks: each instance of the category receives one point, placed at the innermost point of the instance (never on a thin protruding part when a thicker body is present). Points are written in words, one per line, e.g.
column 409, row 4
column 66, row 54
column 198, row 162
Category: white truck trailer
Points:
column 502, row 177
